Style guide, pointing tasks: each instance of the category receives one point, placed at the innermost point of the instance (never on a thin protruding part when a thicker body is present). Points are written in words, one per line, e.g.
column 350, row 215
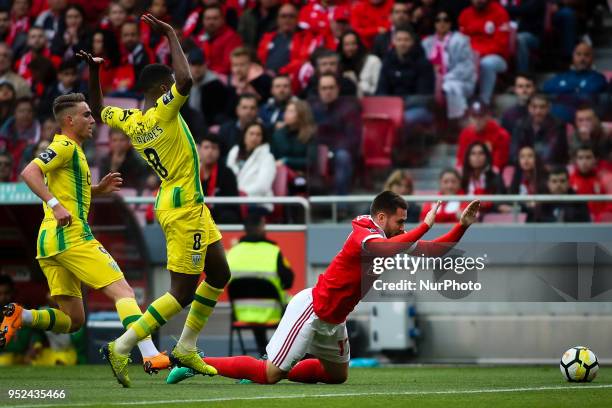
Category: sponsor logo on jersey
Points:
column 168, row 97
column 108, row 115
column 147, row 137
column 47, row 155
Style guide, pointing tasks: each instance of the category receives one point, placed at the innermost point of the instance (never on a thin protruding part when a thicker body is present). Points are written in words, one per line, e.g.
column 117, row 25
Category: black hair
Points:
column 539, row 171
column 387, row 202
column 71, row 64
column 242, row 152
column 111, row 46
column 212, row 138
column 324, row 53
column 253, row 221
column 246, row 96
column 357, row 62
column 468, row 170
column 154, row 75
column 63, row 102
column 539, row 96
column 405, row 28
column 527, row 75
column 586, row 146
column 557, row 170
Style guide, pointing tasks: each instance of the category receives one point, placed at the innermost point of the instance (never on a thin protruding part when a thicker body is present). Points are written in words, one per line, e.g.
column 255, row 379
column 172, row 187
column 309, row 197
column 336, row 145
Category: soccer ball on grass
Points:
column 579, row 364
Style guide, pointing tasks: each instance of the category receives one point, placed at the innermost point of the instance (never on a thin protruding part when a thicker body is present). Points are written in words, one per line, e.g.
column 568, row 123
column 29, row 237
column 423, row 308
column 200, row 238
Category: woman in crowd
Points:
column 113, row 76
column 449, row 211
column 529, row 178
column 358, row 64
column 72, row 34
column 252, row 163
column 400, row 182
column 451, row 54
column 478, row 176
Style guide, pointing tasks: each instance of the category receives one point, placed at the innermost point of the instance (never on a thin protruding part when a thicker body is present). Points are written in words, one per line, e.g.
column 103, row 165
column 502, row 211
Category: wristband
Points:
column 52, row 202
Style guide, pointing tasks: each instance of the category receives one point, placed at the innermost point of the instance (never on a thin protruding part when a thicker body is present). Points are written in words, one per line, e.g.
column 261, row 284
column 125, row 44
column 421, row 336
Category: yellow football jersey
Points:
column 162, row 138
column 69, row 180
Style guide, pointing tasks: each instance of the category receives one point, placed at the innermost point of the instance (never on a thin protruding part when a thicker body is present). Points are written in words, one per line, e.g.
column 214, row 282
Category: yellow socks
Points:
column 51, row 319
column 203, row 304
column 129, row 312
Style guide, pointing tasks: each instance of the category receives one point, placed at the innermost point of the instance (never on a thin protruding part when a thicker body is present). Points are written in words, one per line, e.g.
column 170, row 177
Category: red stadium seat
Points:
column 383, row 116
column 281, row 180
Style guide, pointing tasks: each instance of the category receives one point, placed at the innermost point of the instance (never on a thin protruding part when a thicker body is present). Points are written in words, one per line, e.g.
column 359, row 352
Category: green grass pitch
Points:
column 406, row 386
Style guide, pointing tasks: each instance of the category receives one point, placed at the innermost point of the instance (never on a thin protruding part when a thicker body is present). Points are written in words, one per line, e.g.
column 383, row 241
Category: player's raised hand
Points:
column 63, row 217
column 89, row 58
column 110, row 183
column 470, row 214
column 430, row 218
column 157, row 25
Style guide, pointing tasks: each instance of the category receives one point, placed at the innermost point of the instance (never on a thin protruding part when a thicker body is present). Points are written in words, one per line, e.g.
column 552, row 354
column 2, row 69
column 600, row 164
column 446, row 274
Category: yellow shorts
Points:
column 89, row 263
column 189, row 231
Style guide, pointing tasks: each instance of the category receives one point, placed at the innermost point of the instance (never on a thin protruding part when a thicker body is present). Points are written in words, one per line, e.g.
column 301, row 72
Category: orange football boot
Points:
column 152, row 365
column 11, row 323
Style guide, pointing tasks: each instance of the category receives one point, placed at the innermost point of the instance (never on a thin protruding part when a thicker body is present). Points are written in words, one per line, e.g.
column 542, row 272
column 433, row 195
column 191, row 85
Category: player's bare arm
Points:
column 35, row 179
column 95, row 89
column 182, row 74
column 430, row 218
column 470, row 214
column 111, row 183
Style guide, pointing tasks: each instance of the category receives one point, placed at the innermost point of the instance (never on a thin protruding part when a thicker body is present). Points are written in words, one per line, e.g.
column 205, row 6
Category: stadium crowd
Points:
column 280, row 89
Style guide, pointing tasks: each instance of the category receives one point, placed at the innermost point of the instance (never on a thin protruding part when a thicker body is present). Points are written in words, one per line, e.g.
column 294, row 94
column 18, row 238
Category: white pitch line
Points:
column 298, row 396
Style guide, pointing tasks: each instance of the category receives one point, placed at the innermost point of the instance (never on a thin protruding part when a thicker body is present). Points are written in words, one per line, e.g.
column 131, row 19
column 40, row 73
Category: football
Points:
column 579, row 364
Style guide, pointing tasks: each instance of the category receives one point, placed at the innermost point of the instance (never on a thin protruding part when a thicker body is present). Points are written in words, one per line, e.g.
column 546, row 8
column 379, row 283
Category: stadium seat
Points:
column 382, row 118
column 255, row 290
column 495, row 218
column 281, row 180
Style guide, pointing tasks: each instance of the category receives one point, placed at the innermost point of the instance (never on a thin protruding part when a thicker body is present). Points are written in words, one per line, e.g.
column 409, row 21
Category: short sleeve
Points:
column 169, row 104
column 57, row 155
column 116, row 118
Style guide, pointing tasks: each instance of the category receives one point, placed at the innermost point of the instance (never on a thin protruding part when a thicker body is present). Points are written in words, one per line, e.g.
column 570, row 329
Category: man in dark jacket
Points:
column 407, row 72
column 400, row 17
column 542, row 131
column 217, row 181
column 558, row 184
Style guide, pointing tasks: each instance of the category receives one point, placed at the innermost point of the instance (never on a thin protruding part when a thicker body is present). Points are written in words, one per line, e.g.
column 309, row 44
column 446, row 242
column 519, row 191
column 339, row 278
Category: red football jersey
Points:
column 338, row 289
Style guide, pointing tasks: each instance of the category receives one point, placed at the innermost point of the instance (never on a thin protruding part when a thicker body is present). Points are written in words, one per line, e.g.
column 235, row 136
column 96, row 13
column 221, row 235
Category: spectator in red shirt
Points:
column 484, row 129
column 316, row 17
column 449, row 211
column 285, row 50
column 369, row 18
column 158, row 44
column 478, row 176
column 486, row 22
column 585, row 179
column 217, row 40
column 134, row 52
column 38, row 47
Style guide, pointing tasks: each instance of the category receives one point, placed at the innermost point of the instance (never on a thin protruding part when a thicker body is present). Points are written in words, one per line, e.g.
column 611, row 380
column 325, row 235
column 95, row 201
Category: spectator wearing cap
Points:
column 134, row 52
column 285, row 49
column 20, row 86
column 339, row 128
column 358, row 64
column 524, row 88
column 486, row 22
column 580, row 84
column 542, row 131
column 483, row 128
column 247, row 76
column 529, row 14
column 217, row 40
column 272, row 112
column 217, row 180
column 51, row 19
column 407, row 72
column 257, row 21
column 451, row 54
column 400, row 17
column 369, row 18
column 38, row 47
column 208, row 94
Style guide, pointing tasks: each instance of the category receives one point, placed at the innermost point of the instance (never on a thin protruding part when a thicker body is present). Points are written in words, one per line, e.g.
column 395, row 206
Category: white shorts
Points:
column 300, row 331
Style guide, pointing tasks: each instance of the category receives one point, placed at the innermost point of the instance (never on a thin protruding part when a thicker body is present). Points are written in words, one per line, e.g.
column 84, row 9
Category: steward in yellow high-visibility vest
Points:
column 255, row 256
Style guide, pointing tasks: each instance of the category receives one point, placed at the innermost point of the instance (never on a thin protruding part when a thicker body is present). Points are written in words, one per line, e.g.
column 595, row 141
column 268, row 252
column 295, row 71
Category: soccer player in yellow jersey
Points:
column 161, row 136
column 67, row 251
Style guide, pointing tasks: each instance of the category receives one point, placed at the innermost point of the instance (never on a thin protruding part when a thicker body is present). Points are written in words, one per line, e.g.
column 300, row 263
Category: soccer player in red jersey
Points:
column 315, row 319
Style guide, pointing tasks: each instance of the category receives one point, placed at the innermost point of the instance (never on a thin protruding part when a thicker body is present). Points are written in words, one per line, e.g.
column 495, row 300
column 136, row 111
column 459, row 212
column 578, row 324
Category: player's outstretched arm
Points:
column 182, row 74
column 444, row 243
column 35, row 179
column 111, row 183
column 95, row 89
